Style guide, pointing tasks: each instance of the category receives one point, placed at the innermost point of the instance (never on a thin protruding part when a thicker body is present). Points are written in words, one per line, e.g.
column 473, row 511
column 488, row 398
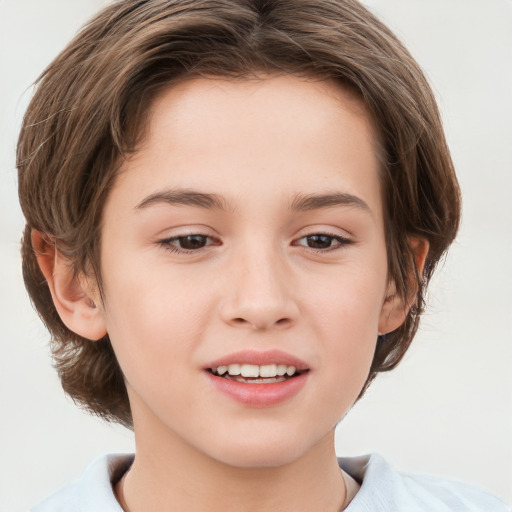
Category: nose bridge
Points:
column 260, row 292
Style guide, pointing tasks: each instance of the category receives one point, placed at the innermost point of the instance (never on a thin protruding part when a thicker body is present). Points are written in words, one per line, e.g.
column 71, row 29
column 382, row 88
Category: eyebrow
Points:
column 184, row 197
column 305, row 202
column 300, row 202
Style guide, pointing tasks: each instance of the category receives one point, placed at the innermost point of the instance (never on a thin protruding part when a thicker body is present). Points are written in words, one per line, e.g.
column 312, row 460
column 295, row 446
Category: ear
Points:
column 75, row 298
column 395, row 308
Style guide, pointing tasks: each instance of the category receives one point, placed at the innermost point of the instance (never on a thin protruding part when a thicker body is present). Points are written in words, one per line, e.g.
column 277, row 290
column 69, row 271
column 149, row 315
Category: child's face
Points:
column 286, row 252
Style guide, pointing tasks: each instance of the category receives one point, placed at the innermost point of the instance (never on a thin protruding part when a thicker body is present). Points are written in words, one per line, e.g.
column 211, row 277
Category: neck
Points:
column 175, row 477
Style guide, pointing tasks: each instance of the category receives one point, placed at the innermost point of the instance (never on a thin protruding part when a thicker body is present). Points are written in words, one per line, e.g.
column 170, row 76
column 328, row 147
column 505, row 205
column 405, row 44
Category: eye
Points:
column 187, row 243
column 323, row 241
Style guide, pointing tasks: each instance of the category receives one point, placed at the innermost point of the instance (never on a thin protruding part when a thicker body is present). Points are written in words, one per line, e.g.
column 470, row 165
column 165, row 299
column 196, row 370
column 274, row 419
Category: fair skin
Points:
column 286, row 252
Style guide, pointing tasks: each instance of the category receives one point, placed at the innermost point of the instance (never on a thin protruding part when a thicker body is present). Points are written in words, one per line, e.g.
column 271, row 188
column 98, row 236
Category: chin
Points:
column 263, row 452
column 257, row 458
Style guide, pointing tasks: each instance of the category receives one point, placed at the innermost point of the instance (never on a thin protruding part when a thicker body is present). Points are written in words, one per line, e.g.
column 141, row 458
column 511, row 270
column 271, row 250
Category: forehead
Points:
column 237, row 137
column 257, row 106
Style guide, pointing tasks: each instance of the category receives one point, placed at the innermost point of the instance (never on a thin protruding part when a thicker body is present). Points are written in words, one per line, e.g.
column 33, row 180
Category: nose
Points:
column 259, row 293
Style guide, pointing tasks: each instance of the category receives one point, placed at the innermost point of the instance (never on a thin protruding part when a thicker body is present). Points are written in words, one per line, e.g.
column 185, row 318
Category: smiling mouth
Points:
column 256, row 374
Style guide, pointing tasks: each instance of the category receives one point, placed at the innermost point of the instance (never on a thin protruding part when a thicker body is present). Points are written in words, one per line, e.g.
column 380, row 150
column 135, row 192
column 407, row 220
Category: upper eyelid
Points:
column 335, row 228
column 181, row 231
column 207, row 231
column 177, row 237
column 326, row 232
column 313, row 232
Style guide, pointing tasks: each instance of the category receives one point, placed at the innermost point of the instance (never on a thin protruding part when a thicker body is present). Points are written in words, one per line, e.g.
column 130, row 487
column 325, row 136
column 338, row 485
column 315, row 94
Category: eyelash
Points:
column 341, row 241
column 167, row 243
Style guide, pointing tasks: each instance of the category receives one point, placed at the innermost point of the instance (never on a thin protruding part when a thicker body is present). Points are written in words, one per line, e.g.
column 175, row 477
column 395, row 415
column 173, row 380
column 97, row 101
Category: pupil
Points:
column 192, row 241
column 319, row 241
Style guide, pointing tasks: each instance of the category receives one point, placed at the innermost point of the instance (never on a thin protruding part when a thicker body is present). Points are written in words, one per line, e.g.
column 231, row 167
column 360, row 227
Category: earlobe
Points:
column 76, row 303
column 396, row 308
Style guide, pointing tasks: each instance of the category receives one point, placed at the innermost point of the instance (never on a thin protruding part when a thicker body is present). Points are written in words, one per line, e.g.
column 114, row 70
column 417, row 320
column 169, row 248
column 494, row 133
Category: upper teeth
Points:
column 253, row 370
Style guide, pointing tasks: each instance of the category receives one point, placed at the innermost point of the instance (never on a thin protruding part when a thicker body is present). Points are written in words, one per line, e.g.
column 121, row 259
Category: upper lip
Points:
column 259, row 358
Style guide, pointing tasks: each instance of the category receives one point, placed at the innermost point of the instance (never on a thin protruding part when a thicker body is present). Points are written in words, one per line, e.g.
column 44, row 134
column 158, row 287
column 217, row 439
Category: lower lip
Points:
column 259, row 395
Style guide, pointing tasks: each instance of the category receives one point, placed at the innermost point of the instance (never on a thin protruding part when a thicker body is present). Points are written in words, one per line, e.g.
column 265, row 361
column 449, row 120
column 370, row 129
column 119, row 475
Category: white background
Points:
column 448, row 409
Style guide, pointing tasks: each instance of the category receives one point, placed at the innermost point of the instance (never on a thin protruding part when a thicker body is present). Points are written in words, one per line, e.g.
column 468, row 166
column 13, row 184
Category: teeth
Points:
column 234, row 369
column 281, row 369
column 249, row 370
column 268, row 371
column 260, row 380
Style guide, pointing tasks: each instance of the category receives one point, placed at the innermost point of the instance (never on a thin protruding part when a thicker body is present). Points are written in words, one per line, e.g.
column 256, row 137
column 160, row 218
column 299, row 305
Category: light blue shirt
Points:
column 382, row 490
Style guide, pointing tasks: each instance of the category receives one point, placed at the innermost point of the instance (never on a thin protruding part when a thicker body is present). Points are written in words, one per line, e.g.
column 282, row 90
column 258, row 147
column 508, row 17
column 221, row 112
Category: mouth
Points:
column 258, row 379
column 256, row 374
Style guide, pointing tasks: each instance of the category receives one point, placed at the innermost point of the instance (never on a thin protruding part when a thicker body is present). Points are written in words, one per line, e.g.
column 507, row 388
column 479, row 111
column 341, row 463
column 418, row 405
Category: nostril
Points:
column 260, row 323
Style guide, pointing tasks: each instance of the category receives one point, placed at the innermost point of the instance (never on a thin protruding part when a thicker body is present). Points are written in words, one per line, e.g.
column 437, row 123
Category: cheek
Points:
column 346, row 312
column 134, row 312
column 351, row 302
column 153, row 314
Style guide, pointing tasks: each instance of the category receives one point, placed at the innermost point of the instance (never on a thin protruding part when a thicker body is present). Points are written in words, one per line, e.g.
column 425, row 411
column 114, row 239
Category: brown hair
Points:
column 89, row 111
